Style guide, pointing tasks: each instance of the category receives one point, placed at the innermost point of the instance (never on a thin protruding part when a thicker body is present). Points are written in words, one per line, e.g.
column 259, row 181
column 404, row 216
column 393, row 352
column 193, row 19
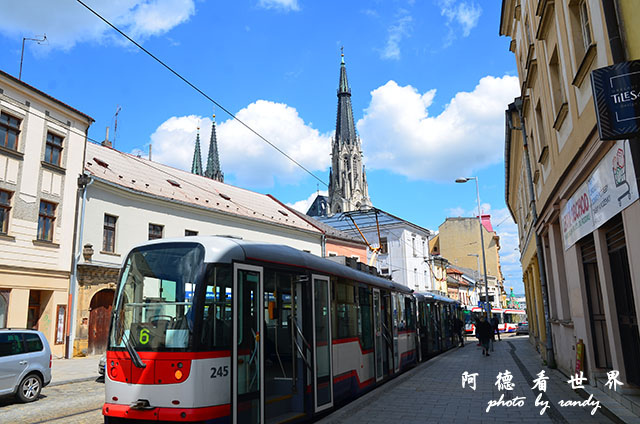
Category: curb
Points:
column 73, row 380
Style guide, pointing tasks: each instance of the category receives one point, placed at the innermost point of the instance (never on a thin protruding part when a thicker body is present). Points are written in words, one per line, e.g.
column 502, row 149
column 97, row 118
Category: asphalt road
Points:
column 69, row 403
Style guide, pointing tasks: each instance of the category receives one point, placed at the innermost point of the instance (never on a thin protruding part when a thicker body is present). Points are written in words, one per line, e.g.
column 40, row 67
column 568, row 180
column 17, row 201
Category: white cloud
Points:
column 463, row 14
column 400, row 28
column 304, row 204
column 66, row 22
column 285, row 5
column 398, row 133
column 248, row 160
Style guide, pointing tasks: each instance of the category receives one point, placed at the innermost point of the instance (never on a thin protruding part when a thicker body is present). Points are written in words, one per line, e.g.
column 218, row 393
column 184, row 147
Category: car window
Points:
column 10, row 344
column 33, row 342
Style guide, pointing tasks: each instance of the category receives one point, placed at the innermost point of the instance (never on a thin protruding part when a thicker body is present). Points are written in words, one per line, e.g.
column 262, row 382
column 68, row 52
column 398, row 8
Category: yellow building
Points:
column 458, row 240
column 584, row 246
column 41, row 153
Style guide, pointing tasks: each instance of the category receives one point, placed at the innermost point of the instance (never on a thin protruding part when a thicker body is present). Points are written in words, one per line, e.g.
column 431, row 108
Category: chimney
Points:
column 106, row 141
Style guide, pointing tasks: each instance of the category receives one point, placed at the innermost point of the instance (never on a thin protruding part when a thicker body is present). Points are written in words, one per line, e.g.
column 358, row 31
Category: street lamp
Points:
column 484, row 260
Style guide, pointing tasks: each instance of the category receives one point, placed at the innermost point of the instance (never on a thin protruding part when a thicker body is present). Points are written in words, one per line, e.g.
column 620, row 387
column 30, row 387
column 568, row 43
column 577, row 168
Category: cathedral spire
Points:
column 213, row 161
column 196, row 165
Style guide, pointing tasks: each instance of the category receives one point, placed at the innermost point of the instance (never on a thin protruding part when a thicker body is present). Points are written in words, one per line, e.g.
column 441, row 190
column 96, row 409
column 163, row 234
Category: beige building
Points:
column 458, row 241
column 577, row 209
column 41, row 153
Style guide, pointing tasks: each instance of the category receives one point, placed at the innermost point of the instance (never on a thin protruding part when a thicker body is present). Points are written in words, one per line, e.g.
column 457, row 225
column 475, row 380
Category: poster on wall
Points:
column 60, row 320
column 610, row 188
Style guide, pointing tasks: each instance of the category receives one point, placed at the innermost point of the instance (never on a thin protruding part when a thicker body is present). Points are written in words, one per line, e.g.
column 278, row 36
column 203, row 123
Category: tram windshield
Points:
column 154, row 305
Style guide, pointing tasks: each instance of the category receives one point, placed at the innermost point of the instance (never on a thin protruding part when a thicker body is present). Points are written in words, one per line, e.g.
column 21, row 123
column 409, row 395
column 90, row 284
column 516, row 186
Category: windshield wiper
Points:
column 135, row 357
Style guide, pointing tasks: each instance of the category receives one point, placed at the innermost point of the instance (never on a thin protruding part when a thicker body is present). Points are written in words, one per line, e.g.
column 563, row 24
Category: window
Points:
column 155, row 231
column 53, row 150
column 33, row 342
column 9, row 130
column 10, row 344
column 45, row 221
column 584, row 24
column 5, row 207
column 189, row 233
column 365, row 323
column 384, row 271
column 345, row 324
column 384, row 246
column 331, row 254
column 109, row 234
column 413, row 246
column 557, row 91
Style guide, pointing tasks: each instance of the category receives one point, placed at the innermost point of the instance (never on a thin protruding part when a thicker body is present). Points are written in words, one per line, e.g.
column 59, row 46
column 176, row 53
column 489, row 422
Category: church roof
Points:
column 196, row 164
column 140, row 175
column 213, row 170
column 345, row 129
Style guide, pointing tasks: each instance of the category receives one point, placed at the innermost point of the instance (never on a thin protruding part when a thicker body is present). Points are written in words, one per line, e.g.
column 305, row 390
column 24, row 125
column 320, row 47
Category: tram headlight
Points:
column 178, row 374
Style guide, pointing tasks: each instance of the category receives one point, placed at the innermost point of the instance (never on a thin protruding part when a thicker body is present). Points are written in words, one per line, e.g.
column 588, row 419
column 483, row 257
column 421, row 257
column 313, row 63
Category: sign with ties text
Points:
column 616, row 92
column 610, row 188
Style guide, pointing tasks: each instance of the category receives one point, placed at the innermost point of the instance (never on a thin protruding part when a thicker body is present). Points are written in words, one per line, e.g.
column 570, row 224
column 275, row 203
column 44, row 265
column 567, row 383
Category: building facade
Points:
column 458, row 240
column 574, row 195
column 402, row 247
column 41, row 153
column 130, row 200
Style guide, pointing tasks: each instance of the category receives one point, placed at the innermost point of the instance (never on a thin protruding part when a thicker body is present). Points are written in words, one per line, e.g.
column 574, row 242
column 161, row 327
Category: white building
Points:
column 130, row 200
column 404, row 247
column 41, row 152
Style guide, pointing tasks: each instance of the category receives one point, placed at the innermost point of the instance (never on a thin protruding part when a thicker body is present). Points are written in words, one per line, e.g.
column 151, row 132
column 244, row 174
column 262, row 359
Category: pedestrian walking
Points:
column 458, row 326
column 495, row 323
column 485, row 333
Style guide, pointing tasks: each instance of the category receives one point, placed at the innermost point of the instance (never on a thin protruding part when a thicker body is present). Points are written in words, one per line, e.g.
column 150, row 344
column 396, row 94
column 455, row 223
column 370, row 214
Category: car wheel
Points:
column 29, row 388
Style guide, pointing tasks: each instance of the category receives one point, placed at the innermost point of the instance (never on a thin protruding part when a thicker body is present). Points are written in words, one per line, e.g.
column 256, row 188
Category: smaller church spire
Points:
column 213, row 170
column 196, row 165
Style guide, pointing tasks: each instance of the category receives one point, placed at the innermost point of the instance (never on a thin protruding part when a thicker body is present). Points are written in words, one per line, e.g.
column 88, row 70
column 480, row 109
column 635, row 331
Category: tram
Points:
column 222, row 330
column 508, row 319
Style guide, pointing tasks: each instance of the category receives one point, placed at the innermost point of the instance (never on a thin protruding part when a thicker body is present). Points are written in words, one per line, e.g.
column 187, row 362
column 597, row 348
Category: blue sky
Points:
column 430, row 82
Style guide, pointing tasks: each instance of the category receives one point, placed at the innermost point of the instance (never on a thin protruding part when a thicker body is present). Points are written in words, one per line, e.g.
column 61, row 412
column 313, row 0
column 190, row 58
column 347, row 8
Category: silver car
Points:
column 25, row 363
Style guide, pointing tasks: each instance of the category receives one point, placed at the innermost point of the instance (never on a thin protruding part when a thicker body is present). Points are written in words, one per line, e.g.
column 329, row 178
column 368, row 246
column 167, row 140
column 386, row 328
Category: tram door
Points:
column 382, row 357
column 248, row 345
column 322, row 361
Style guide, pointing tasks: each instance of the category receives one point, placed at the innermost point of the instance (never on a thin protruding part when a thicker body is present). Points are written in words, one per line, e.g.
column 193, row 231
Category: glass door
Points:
column 248, row 345
column 322, row 365
column 379, row 347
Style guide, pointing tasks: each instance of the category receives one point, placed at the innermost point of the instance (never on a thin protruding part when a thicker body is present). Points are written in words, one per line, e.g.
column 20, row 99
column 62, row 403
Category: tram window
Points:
column 410, row 313
column 365, row 325
column 345, row 324
column 216, row 330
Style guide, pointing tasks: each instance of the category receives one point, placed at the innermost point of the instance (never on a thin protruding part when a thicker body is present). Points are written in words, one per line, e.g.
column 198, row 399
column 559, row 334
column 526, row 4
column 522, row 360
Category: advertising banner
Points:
column 610, row 188
column 616, row 93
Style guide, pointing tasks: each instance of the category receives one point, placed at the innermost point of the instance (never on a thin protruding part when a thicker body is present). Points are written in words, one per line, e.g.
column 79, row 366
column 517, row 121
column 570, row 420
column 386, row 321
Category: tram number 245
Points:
column 220, row 371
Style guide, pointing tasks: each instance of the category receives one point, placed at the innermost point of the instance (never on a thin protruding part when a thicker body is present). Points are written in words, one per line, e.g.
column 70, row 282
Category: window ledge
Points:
column 53, row 167
column 45, row 243
column 102, row 252
column 7, row 237
column 585, row 66
column 560, row 117
column 16, row 154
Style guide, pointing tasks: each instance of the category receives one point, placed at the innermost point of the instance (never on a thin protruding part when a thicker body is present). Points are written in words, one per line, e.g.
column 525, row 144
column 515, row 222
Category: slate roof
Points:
column 155, row 179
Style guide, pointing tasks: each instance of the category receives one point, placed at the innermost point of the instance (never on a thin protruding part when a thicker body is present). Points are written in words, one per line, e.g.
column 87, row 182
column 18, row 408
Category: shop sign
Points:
column 616, row 93
column 610, row 188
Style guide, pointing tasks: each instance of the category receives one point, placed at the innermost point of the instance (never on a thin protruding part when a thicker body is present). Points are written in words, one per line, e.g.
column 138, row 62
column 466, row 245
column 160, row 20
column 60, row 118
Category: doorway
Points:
column 99, row 319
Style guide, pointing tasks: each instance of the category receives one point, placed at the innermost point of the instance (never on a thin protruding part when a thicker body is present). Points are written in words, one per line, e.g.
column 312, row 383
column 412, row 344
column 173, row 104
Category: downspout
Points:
column 84, row 181
column 323, row 245
column 551, row 362
column 618, row 55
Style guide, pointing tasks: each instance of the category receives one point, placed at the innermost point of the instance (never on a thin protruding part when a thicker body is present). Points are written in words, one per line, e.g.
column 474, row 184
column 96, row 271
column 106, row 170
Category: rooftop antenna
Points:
column 38, row 40
column 115, row 127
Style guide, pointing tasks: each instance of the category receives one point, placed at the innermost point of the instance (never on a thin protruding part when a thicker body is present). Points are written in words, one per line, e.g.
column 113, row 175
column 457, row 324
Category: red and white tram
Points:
column 508, row 319
column 216, row 329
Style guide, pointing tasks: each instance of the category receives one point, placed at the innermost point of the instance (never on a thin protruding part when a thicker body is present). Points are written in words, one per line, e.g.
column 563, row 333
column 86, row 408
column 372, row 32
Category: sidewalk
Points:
column 64, row 371
column 432, row 392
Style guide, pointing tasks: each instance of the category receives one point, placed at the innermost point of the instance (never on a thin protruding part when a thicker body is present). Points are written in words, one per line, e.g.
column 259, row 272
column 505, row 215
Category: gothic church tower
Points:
column 348, row 188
